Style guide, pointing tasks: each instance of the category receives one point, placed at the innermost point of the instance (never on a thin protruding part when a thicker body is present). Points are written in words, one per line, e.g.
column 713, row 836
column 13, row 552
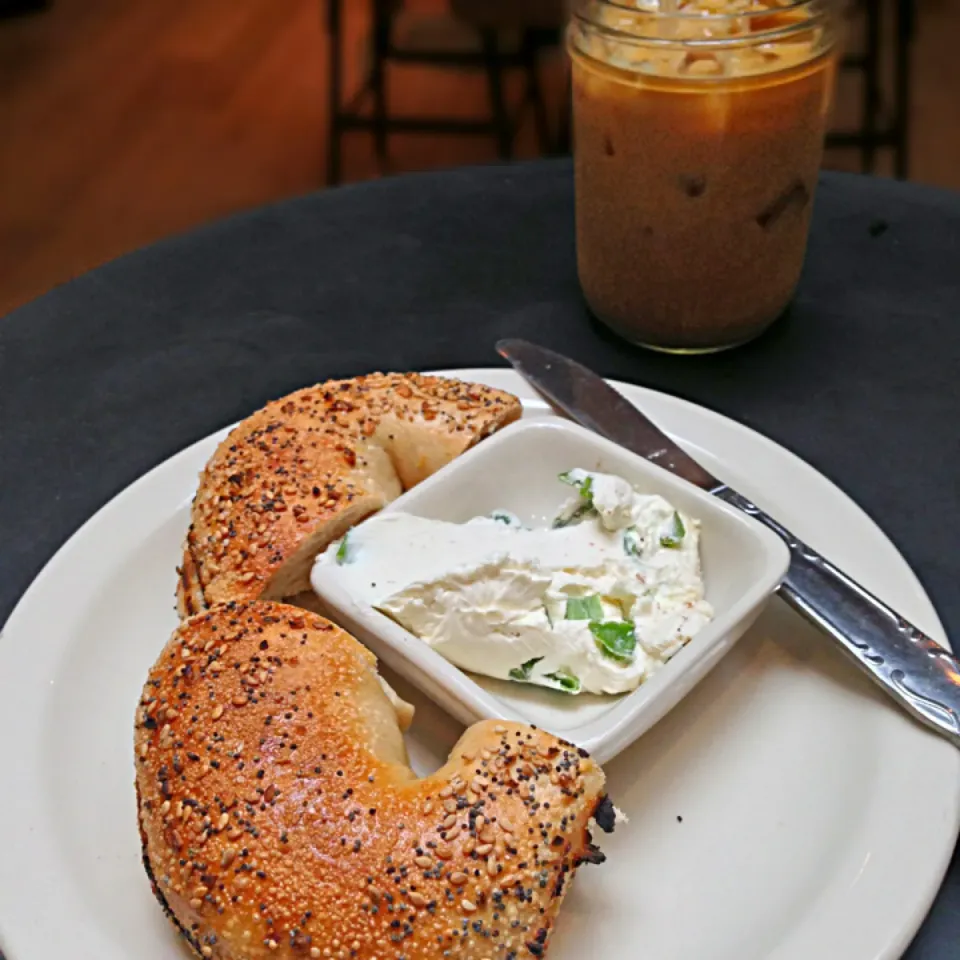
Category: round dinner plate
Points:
column 784, row 810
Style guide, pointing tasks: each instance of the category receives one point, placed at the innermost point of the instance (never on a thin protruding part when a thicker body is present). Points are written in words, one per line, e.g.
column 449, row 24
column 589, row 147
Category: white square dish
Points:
column 516, row 470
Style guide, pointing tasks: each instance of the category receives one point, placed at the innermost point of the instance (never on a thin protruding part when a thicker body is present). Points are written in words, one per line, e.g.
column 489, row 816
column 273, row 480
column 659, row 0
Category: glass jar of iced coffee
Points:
column 698, row 135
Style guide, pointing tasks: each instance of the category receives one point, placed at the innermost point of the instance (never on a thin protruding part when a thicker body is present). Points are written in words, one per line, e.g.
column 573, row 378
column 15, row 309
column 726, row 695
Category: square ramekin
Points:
column 516, row 470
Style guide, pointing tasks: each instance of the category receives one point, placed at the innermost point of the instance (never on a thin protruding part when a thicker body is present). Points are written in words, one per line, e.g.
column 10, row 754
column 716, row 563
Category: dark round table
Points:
column 105, row 377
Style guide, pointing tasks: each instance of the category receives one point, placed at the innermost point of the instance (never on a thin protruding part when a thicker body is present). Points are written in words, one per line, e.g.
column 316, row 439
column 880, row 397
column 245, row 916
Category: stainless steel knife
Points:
column 922, row 676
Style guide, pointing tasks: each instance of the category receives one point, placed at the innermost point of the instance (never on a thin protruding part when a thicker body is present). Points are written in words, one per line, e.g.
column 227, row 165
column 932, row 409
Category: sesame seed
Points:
column 239, row 700
column 468, row 845
column 206, row 951
column 468, row 906
column 469, row 755
column 484, row 849
column 449, row 821
column 491, row 865
column 425, row 862
column 227, row 857
column 271, row 943
column 453, row 833
column 217, row 712
column 428, row 807
column 499, row 728
column 223, row 821
column 196, row 904
column 458, row 878
column 164, row 808
column 450, row 805
column 447, row 791
column 418, row 899
column 443, row 852
column 506, row 825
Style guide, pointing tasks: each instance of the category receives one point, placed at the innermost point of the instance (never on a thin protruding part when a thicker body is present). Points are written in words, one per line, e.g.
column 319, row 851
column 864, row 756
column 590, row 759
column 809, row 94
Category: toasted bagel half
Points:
column 279, row 817
column 297, row 474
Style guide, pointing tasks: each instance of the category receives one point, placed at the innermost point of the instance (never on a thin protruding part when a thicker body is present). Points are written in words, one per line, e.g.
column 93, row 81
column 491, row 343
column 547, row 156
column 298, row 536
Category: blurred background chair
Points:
column 882, row 61
column 493, row 36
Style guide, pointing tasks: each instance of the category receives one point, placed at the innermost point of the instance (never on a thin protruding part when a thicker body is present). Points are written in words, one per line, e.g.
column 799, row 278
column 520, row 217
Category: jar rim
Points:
column 816, row 13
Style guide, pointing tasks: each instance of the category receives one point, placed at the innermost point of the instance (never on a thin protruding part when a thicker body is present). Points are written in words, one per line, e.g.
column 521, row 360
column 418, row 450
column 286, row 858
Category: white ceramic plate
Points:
column 816, row 824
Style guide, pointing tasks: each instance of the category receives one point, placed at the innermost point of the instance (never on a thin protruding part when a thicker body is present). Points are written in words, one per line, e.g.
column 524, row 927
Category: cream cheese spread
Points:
column 596, row 603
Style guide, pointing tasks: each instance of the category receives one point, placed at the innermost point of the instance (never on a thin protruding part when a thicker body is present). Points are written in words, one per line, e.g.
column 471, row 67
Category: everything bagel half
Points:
column 279, row 817
column 297, row 474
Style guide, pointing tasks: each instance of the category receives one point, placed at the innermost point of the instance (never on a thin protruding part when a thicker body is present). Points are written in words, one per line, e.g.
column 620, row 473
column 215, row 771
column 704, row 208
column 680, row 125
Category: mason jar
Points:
column 698, row 135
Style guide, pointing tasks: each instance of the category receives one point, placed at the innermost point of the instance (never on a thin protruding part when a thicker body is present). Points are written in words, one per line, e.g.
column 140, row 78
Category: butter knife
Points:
column 919, row 674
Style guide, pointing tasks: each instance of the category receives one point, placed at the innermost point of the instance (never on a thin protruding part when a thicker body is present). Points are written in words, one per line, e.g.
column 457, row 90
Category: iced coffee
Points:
column 698, row 134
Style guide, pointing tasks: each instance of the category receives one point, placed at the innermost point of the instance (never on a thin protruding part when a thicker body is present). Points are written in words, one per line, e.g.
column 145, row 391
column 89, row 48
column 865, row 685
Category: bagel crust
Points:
column 297, row 474
column 279, row 817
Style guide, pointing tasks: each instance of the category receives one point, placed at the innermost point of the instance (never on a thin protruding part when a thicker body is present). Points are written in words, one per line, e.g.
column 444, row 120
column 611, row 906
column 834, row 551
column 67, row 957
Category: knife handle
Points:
column 914, row 669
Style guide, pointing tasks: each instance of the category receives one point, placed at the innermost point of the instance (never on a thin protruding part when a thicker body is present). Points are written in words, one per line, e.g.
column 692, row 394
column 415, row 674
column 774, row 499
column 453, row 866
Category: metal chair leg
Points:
column 871, row 86
column 531, row 64
column 501, row 119
column 378, row 80
column 334, row 129
column 903, row 40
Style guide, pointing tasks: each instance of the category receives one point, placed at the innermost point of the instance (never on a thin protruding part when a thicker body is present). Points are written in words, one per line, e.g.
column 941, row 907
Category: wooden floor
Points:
column 122, row 121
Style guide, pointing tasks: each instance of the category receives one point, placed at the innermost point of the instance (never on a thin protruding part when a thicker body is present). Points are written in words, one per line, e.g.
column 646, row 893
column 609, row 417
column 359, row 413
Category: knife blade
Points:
column 918, row 673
